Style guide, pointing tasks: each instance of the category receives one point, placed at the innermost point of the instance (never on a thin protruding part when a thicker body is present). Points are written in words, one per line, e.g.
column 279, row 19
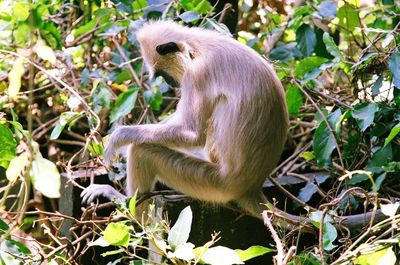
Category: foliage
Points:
column 69, row 71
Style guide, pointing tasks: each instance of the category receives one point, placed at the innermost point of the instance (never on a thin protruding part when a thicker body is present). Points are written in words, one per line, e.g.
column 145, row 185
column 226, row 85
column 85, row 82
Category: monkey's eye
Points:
column 166, row 48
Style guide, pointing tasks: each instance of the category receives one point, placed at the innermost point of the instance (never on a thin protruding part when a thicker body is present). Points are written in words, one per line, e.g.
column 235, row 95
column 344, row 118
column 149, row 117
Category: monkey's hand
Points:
column 89, row 194
column 111, row 150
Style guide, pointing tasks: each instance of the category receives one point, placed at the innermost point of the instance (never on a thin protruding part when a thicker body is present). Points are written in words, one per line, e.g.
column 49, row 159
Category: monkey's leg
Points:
column 190, row 175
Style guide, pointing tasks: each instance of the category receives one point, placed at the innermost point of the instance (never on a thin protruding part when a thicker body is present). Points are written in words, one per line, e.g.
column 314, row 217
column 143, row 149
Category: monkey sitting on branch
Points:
column 232, row 106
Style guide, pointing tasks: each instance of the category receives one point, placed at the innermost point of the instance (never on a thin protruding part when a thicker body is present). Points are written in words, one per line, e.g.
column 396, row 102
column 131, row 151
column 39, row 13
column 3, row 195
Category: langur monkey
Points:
column 232, row 106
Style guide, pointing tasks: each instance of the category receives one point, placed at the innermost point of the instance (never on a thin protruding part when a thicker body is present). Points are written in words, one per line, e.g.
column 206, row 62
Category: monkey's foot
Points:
column 89, row 194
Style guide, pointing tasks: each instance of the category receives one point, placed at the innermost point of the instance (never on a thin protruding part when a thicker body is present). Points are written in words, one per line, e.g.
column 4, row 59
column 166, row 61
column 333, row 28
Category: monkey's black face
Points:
column 169, row 79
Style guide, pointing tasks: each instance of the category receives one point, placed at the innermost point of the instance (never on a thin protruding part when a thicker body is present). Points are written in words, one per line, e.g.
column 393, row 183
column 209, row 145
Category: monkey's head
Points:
column 165, row 50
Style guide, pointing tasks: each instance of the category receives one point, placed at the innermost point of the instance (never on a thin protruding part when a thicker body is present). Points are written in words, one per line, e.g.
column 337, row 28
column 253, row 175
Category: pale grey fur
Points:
column 232, row 105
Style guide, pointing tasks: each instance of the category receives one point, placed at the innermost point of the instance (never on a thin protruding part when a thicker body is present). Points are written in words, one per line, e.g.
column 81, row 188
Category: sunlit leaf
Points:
column 348, row 17
column 21, row 10
column 179, row 233
column 184, row 252
column 385, row 256
column 45, row 52
column 65, row 118
column 393, row 133
column 45, row 177
column 99, row 242
column 132, row 204
column 16, row 166
column 252, row 252
column 14, row 77
column 189, row 16
column 390, row 209
column 117, row 234
column 221, row 256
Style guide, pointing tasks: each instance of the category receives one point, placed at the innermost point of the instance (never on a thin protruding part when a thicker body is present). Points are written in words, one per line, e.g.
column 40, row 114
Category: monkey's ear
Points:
column 168, row 47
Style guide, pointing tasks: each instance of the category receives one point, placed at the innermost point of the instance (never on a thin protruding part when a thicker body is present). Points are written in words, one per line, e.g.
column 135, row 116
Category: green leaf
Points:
column 179, row 233
column 138, row 8
column 154, row 98
column 307, row 155
column 185, row 252
column 124, row 104
column 203, row 7
column 329, row 235
column 8, row 145
column 3, row 227
column 394, row 67
column 331, row 46
column 45, row 177
column 307, row 65
column 327, row 9
column 14, row 77
column 132, row 204
column 393, row 133
column 377, row 86
column 16, row 166
column 252, row 252
column 117, row 234
column 189, row 16
column 364, row 115
column 385, row 256
column 65, row 118
column 306, row 39
column 348, row 17
column 221, row 256
column 21, row 10
column 294, row 100
column 379, row 159
column 328, row 230
column 323, row 141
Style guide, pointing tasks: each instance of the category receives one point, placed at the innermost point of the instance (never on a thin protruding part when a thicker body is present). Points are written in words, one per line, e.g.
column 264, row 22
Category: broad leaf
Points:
column 45, row 177
column 294, row 100
column 393, row 133
column 252, row 252
column 306, row 39
column 348, row 17
column 124, row 104
column 365, row 115
column 179, row 233
column 14, row 77
column 16, row 166
column 307, row 192
column 8, row 145
column 385, row 256
column 189, row 16
column 379, row 159
column 394, row 67
column 221, row 256
column 331, row 46
column 323, row 141
column 117, row 234
column 65, row 118
column 327, row 9
column 308, row 65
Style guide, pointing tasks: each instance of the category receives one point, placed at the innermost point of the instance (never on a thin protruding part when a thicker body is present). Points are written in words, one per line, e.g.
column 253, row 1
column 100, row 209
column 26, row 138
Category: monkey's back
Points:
column 248, row 123
column 250, row 120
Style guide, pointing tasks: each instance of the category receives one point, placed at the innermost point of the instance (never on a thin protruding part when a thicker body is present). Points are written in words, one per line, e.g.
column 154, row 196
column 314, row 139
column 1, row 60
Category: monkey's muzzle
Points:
column 169, row 79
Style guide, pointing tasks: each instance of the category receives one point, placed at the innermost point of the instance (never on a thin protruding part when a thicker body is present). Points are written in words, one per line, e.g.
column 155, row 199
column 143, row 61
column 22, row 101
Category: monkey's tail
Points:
column 255, row 204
